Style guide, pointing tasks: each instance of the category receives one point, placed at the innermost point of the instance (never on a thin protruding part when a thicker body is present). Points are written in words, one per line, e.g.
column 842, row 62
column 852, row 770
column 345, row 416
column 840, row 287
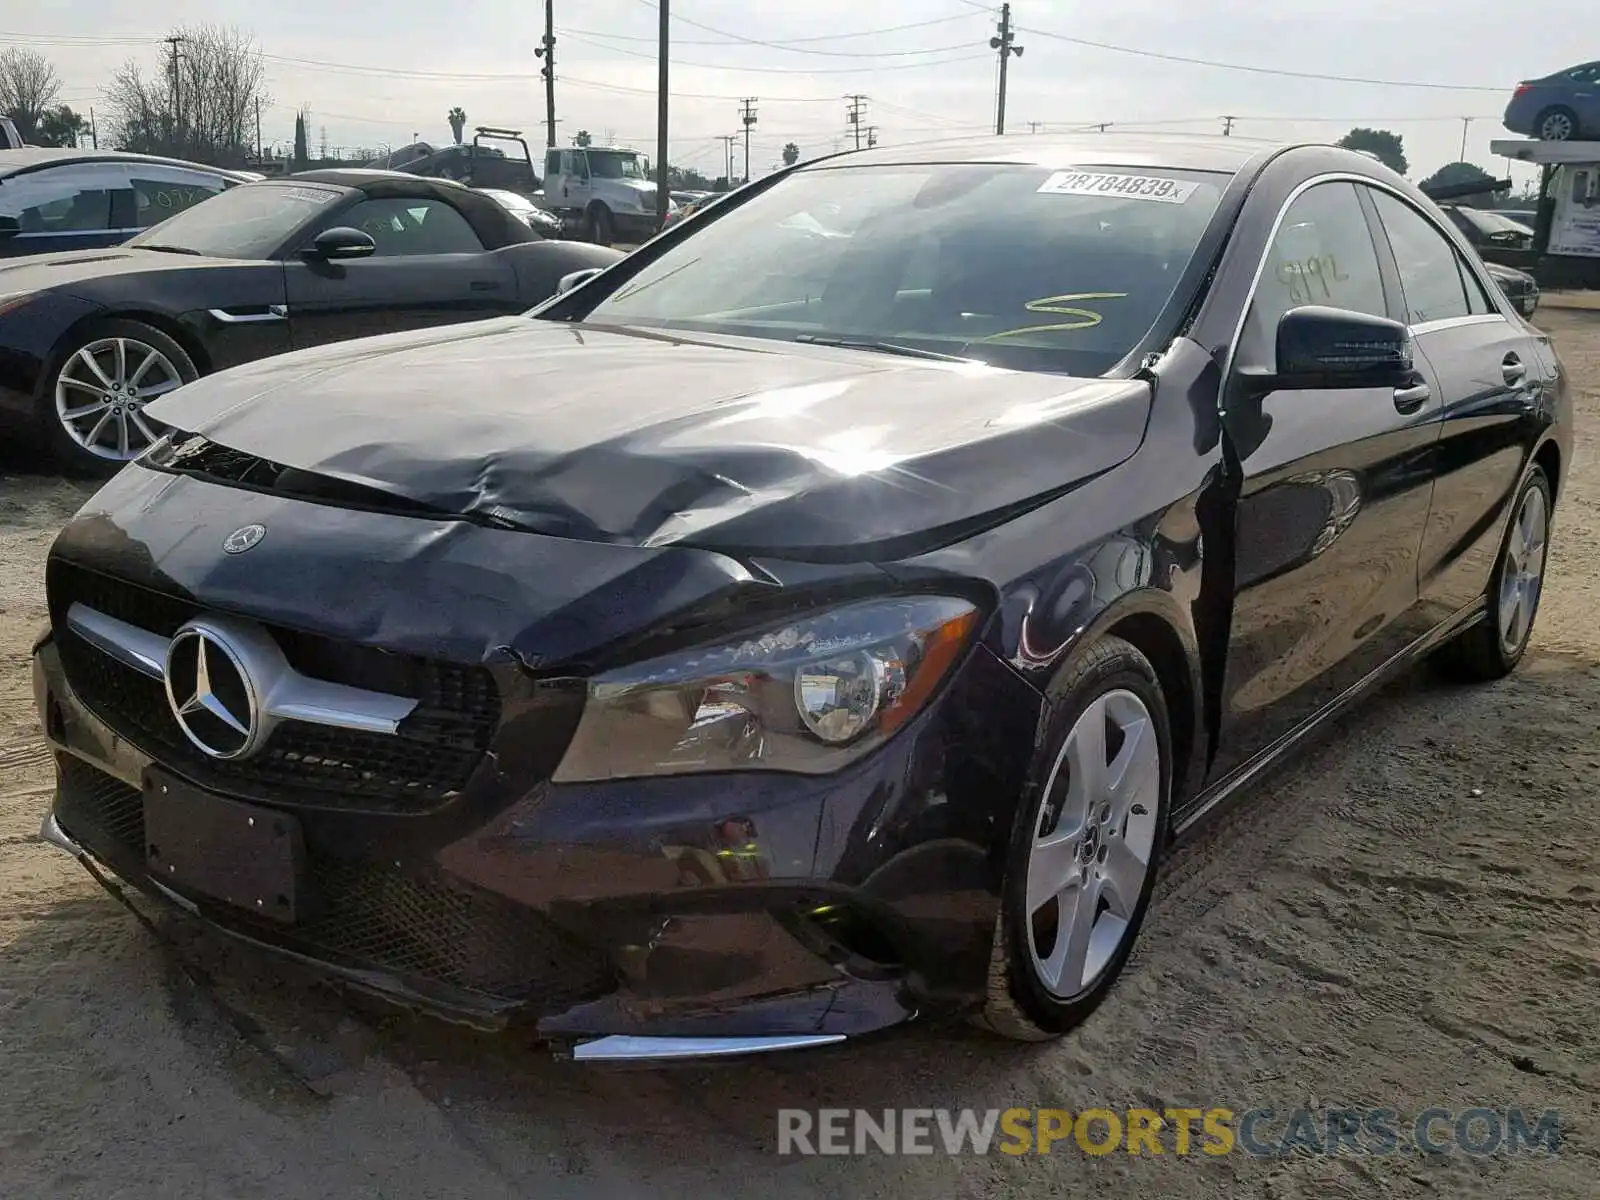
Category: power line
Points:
column 794, row 44
column 1227, row 66
column 600, row 38
column 781, row 45
column 791, row 70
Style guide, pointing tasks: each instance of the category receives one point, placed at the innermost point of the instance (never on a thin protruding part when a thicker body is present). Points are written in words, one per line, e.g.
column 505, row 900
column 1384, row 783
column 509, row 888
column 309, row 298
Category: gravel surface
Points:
column 1406, row 919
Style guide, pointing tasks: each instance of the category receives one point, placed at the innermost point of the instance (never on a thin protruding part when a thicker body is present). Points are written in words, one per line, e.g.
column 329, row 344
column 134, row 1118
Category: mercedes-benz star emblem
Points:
column 243, row 539
column 212, row 695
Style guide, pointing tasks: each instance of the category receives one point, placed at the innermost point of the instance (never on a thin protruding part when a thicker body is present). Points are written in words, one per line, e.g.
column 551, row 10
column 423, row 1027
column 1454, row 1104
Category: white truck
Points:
column 604, row 192
column 1573, row 192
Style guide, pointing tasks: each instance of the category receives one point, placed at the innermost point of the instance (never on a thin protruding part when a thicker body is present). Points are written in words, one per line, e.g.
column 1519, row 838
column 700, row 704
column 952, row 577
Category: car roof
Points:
column 34, row 158
column 1178, row 151
column 365, row 177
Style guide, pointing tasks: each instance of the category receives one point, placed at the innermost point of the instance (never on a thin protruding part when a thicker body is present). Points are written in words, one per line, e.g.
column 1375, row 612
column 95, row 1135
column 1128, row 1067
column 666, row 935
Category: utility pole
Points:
column 853, row 118
column 94, row 133
column 749, row 114
column 547, row 51
column 1003, row 44
column 662, row 196
column 1465, row 121
column 727, row 140
column 173, row 43
column 872, row 136
column 1033, row 126
column 258, row 128
column 1227, row 126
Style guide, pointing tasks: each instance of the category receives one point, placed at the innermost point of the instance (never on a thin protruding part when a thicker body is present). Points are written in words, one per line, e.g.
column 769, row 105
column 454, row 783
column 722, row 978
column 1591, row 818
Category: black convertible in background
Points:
column 87, row 338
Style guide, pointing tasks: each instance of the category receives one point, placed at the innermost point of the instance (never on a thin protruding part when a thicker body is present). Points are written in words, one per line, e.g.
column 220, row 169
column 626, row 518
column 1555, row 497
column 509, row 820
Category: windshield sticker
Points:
column 1131, row 187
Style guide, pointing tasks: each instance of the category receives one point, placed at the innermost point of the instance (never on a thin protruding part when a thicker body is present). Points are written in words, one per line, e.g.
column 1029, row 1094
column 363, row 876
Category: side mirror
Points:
column 9, row 227
column 1327, row 348
column 340, row 242
column 573, row 278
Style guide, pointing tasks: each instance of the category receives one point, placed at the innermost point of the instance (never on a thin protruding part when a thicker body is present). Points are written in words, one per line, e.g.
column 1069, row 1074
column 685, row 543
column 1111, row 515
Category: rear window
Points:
column 1023, row 266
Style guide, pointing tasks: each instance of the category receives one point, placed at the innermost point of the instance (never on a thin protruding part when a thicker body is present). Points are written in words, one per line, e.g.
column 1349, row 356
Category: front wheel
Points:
column 1556, row 125
column 92, row 402
column 1083, row 855
column 602, row 229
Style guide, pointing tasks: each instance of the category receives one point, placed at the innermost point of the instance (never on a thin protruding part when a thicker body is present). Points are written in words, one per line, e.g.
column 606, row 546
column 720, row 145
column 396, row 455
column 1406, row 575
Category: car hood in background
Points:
column 644, row 438
column 38, row 272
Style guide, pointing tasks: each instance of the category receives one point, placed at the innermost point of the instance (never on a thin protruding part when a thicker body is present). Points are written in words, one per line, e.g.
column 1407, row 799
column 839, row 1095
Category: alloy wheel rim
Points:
column 1522, row 578
column 1557, row 127
column 101, row 392
column 1093, row 843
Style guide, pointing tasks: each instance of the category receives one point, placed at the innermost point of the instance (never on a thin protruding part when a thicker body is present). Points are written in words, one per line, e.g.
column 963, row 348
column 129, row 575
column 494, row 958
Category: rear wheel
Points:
column 1556, row 125
column 1492, row 649
column 92, row 403
column 1082, row 861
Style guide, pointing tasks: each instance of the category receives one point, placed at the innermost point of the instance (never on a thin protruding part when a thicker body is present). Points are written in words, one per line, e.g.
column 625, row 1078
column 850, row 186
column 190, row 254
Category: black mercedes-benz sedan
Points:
column 826, row 616
column 89, row 338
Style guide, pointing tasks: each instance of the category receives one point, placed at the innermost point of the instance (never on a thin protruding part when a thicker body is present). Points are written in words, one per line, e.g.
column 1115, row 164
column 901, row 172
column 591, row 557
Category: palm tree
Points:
column 791, row 154
column 458, row 122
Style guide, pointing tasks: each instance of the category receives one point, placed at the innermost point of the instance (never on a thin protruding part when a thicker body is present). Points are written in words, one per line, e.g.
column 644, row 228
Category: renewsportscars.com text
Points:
column 1257, row 1132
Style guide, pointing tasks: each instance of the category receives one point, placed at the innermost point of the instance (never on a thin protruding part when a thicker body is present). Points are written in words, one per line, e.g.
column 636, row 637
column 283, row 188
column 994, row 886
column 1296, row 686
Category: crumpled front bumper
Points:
column 669, row 944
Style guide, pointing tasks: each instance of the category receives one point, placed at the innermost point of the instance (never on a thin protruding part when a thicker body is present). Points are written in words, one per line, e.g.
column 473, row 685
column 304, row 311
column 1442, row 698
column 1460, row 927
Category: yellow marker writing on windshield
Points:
column 1057, row 305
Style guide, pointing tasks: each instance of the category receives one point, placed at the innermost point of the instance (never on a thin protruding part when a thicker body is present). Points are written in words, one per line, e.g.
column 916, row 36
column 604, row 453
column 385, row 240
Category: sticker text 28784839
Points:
column 1130, row 187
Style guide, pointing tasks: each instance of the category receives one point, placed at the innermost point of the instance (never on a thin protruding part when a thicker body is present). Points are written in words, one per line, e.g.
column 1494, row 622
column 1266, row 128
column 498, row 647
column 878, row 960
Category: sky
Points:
column 373, row 74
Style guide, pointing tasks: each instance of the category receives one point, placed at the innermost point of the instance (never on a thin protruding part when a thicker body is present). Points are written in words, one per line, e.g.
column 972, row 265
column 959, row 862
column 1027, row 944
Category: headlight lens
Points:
column 809, row 696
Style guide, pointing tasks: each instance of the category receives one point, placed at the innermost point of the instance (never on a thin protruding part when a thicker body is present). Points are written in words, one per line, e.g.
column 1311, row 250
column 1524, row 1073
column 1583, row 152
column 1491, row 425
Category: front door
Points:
column 429, row 269
column 1333, row 493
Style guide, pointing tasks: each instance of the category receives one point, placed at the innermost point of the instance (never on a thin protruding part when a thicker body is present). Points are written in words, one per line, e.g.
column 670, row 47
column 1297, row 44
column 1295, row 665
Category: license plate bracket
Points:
column 241, row 854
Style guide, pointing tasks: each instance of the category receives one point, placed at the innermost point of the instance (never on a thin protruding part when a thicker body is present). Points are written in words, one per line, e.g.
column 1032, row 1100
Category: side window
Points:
column 1478, row 303
column 552, row 162
column 417, row 226
column 1321, row 254
column 1430, row 268
column 159, row 194
column 75, row 198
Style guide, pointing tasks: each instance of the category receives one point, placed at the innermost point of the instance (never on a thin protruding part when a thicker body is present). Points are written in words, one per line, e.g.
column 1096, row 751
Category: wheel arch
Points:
column 173, row 328
column 1548, row 456
column 1155, row 624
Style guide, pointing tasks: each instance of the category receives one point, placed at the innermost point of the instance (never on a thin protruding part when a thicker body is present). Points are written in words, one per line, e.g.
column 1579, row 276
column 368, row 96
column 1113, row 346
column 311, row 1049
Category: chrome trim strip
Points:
column 133, row 647
column 1455, row 322
column 626, row 1048
column 51, row 834
column 275, row 312
column 288, row 695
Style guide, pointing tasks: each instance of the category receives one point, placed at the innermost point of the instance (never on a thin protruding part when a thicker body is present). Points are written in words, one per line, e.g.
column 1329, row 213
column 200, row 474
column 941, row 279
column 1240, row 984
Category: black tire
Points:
column 1019, row 1005
column 602, row 229
column 1481, row 654
column 1560, row 118
column 68, row 454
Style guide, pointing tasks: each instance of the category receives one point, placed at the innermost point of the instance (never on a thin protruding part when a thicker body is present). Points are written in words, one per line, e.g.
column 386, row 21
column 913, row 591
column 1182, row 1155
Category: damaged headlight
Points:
column 808, row 696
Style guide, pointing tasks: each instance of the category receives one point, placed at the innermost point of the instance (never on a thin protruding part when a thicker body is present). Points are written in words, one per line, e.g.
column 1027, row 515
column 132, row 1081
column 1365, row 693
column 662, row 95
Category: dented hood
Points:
column 645, row 438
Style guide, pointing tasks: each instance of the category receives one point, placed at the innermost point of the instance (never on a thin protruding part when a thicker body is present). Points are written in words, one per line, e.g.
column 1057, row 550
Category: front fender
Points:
column 29, row 335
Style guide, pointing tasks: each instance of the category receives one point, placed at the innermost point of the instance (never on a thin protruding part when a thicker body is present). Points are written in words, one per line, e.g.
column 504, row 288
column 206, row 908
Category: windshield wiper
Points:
column 167, row 249
column 823, row 339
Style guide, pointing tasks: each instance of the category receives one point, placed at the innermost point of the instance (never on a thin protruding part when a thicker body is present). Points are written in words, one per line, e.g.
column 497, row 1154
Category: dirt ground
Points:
column 1407, row 919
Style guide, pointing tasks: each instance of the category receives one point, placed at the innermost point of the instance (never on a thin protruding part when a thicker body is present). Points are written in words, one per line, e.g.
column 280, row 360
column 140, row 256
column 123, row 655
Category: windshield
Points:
column 1022, row 266
column 615, row 166
column 249, row 221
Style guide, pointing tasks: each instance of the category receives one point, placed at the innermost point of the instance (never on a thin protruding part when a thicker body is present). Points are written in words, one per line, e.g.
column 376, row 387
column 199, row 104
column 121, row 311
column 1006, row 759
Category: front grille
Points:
column 366, row 914
column 429, row 760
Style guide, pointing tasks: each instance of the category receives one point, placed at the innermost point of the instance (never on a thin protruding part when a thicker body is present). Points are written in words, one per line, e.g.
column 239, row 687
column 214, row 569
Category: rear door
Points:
column 1489, row 370
column 430, row 268
column 1333, row 492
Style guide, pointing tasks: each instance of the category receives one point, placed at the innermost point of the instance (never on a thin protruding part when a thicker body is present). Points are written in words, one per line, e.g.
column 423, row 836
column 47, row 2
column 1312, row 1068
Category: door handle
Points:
column 1513, row 370
column 1409, row 399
